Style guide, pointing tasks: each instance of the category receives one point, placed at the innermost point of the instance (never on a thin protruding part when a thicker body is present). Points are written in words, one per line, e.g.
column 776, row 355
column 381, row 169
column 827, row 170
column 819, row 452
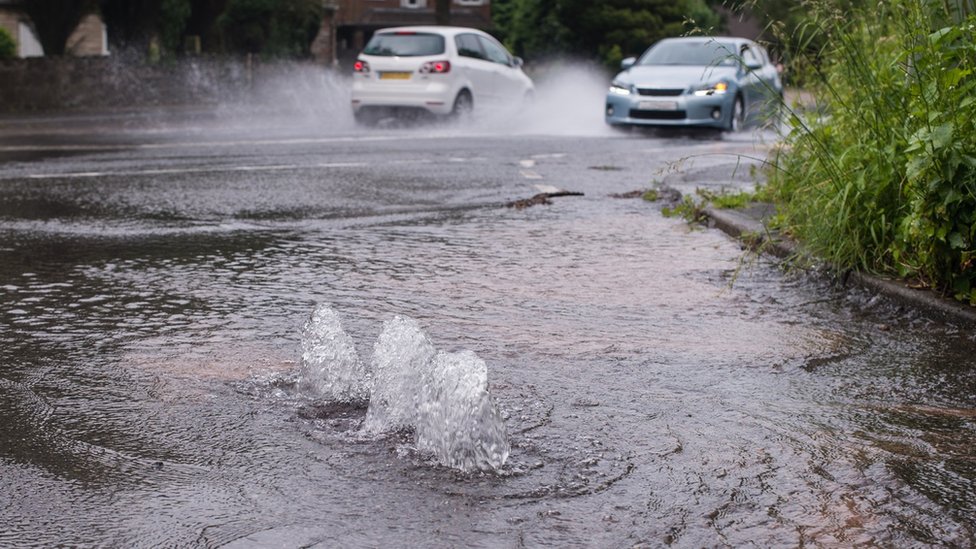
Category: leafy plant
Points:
column 692, row 208
column 884, row 179
column 8, row 48
column 727, row 200
column 937, row 239
column 688, row 208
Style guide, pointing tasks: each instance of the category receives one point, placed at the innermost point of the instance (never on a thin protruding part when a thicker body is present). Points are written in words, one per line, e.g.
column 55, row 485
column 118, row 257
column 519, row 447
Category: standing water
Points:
column 585, row 374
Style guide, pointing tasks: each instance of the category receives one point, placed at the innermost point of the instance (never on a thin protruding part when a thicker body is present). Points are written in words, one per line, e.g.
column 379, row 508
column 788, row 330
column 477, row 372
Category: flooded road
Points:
column 658, row 387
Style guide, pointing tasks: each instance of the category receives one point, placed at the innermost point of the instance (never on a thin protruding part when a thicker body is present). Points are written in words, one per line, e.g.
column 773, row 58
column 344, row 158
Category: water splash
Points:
column 457, row 420
column 331, row 368
column 401, row 363
column 443, row 397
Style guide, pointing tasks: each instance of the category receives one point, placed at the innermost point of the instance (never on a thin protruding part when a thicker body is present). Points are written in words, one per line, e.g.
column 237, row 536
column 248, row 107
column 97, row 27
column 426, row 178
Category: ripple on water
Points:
column 645, row 399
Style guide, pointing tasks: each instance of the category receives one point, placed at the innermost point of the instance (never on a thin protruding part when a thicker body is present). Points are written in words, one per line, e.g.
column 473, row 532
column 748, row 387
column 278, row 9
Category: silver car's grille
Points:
column 658, row 115
column 667, row 92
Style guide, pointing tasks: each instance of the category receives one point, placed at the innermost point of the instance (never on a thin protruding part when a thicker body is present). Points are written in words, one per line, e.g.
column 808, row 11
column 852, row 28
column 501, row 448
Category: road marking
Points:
column 217, row 169
column 195, row 144
column 529, row 163
column 548, row 189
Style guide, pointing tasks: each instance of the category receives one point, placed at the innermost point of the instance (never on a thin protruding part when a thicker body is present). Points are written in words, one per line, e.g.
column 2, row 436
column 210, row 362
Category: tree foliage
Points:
column 134, row 24
column 173, row 15
column 606, row 30
column 792, row 29
column 270, row 27
column 131, row 23
column 8, row 48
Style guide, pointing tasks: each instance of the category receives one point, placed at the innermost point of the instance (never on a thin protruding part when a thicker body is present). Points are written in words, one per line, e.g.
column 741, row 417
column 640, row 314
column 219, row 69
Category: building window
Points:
column 413, row 3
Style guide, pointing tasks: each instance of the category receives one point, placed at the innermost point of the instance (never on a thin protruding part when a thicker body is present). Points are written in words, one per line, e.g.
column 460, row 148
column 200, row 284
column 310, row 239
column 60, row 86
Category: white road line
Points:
column 195, row 144
column 530, row 174
column 547, row 189
column 220, row 169
column 217, row 169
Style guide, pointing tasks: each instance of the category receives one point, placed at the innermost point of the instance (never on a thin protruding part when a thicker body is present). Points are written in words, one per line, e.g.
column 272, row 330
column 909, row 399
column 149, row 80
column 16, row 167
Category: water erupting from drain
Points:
column 442, row 396
column 457, row 420
column 331, row 368
column 402, row 360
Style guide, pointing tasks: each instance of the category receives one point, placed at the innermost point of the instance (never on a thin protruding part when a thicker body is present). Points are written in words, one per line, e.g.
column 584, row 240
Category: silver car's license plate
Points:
column 658, row 105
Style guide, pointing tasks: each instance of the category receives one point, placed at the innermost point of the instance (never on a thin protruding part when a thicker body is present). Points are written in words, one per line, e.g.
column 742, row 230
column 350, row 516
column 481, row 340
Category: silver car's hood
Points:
column 674, row 76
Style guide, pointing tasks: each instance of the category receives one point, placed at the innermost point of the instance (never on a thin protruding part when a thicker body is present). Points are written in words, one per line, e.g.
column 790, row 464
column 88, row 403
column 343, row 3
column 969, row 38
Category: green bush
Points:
column 937, row 239
column 8, row 48
column 277, row 28
column 601, row 31
column 883, row 178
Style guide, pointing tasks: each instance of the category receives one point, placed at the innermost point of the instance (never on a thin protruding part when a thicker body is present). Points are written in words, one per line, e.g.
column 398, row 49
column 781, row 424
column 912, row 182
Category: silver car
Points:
column 719, row 82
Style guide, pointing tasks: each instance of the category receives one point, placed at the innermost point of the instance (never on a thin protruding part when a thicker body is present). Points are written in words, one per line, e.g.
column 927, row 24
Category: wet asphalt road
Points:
column 659, row 387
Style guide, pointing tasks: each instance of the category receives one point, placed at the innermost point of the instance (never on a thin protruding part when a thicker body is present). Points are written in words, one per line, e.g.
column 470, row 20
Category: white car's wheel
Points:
column 365, row 117
column 463, row 105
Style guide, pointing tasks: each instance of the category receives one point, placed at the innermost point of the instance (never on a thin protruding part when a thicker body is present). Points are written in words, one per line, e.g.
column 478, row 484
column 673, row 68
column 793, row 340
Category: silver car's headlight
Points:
column 619, row 88
column 718, row 88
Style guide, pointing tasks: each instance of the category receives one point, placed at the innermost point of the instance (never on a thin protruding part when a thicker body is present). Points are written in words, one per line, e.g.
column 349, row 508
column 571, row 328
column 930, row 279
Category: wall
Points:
column 72, row 83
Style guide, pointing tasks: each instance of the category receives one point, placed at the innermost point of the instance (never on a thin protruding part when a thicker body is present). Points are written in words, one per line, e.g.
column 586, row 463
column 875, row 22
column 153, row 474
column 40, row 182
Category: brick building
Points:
column 348, row 24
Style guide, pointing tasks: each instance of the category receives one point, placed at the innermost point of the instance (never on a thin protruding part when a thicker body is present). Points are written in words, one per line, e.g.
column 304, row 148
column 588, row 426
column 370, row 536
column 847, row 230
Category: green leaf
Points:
column 954, row 76
column 952, row 196
column 941, row 135
column 956, row 241
column 938, row 35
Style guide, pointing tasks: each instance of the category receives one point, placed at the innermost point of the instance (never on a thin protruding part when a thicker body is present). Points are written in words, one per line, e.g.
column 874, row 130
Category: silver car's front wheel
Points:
column 737, row 118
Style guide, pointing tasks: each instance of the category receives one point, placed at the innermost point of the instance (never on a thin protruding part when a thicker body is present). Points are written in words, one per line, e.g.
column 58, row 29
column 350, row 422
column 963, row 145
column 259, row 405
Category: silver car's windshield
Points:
column 709, row 53
column 405, row 44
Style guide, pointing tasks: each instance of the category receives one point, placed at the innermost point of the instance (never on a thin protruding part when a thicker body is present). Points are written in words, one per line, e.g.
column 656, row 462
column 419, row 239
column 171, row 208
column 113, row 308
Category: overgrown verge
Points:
column 882, row 178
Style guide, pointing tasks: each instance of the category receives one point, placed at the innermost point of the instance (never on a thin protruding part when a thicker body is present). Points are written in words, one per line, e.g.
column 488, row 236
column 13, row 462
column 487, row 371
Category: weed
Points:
column 883, row 179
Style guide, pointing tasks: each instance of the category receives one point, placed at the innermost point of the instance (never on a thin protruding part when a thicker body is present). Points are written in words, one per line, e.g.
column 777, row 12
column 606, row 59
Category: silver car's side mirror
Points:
column 628, row 63
column 517, row 62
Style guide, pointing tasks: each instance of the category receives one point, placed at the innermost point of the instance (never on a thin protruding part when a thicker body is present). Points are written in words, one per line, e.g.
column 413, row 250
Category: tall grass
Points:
column 882, row 177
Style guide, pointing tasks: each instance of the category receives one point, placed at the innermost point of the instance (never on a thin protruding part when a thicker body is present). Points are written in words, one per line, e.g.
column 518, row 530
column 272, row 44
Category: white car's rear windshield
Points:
column 405, row 44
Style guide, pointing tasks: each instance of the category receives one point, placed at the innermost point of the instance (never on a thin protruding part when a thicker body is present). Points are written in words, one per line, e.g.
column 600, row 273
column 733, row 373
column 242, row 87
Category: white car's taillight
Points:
column 361, row 66
column 435, row 67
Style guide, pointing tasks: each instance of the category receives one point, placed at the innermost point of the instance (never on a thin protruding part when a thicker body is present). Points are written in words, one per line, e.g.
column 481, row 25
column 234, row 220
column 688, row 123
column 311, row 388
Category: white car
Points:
column 440, row 70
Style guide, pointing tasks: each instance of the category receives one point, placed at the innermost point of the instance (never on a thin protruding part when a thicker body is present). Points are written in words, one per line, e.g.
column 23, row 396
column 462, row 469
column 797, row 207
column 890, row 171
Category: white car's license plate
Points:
column 658, row 105
column 395, row 75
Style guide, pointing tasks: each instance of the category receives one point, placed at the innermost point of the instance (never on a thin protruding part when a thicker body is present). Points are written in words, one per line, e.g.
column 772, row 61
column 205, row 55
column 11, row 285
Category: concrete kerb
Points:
column 749, row 225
